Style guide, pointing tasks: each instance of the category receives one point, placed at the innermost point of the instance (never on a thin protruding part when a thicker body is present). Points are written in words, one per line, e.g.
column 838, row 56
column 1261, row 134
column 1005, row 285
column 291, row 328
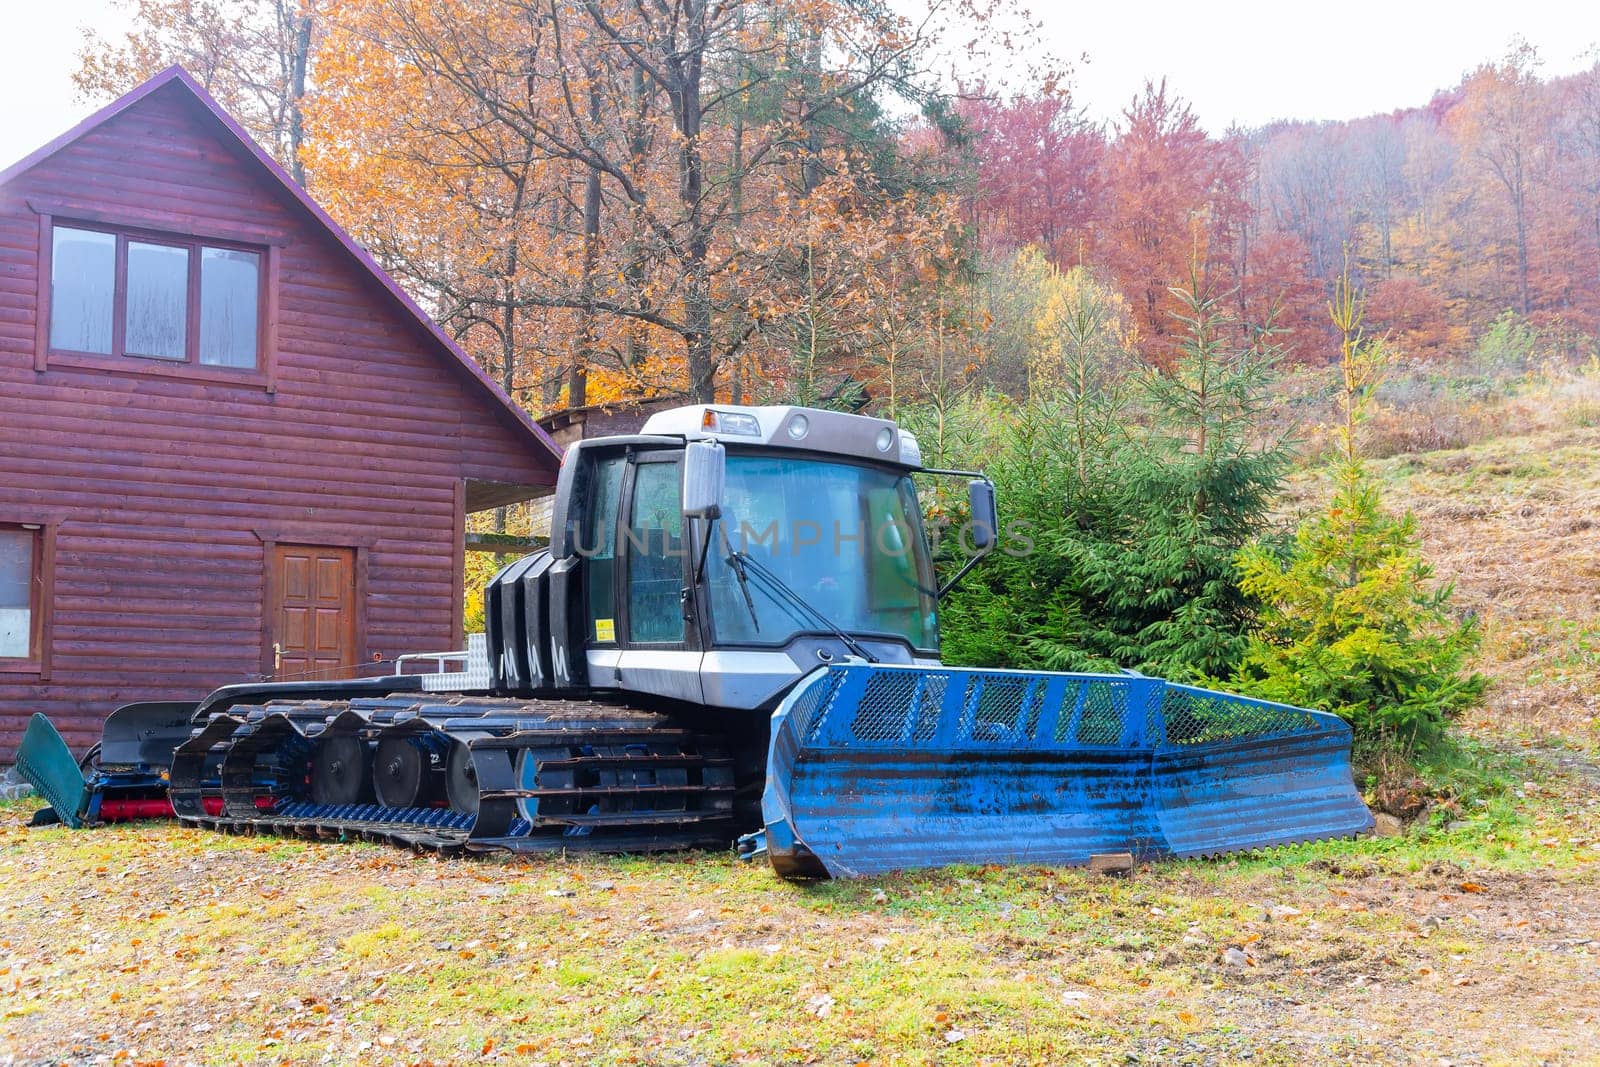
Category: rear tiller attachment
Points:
column 123, row 777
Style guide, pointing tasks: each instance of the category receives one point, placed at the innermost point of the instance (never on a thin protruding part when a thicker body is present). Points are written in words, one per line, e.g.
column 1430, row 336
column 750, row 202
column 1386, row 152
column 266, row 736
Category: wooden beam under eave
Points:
column 505, row 544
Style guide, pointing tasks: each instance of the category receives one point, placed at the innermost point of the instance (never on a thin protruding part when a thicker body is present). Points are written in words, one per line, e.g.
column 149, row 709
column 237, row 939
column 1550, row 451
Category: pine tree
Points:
column 1187, row 496
column 1136, row 501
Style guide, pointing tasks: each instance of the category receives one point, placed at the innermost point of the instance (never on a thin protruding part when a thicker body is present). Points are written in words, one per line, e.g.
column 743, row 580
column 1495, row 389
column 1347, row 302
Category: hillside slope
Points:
column 1514, row 522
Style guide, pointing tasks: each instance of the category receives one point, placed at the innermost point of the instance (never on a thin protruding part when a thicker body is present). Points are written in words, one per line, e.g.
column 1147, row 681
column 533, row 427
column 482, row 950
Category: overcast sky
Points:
column 1253, row 62
column 1235, row 62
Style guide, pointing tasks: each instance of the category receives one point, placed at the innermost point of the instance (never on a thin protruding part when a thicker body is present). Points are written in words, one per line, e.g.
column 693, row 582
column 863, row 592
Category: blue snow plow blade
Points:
column 877, row 768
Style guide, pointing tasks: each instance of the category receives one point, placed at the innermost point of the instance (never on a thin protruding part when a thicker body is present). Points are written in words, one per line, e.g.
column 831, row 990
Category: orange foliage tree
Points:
column 1411, row 316
column 1277, row 287
column 252, row 55
column 1504, row 120
column 675, row 184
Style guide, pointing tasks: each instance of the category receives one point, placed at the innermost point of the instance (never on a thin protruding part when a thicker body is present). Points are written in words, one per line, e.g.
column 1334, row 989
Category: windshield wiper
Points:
column 779, row 589
column 737, row 562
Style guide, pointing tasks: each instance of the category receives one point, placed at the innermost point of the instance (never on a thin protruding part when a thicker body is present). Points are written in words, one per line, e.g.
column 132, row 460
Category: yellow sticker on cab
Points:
column 605, row 630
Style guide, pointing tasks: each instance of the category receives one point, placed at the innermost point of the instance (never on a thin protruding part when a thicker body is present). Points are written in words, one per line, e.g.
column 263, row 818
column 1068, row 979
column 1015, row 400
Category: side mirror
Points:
column 985, row 514
column 705, row 468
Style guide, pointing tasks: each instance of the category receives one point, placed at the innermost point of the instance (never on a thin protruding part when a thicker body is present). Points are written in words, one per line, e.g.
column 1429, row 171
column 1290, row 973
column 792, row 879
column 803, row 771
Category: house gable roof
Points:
column 235, row 135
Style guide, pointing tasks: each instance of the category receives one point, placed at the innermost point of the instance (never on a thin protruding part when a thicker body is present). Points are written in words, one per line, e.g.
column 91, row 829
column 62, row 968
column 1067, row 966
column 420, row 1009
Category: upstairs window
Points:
column 83, row 268
column 134, row 295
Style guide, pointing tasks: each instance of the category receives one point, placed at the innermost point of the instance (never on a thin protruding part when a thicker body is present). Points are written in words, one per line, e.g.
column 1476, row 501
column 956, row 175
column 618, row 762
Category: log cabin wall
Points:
column 161, row 492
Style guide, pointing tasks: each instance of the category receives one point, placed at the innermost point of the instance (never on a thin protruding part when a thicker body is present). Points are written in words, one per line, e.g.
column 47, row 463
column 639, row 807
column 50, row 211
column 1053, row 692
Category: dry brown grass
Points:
column 1449, row 420
column 1432, row 407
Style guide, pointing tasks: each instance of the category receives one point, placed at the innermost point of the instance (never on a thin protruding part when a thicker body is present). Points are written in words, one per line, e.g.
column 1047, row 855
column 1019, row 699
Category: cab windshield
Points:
column 846, row 538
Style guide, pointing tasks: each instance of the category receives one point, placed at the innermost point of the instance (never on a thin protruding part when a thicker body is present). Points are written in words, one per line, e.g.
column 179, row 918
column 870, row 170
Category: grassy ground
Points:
column 1516, row 524
column 1479, row 943
column 1473, row 938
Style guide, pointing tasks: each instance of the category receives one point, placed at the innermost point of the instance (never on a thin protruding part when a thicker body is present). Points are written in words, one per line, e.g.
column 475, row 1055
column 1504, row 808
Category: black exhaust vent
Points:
column 514, row 613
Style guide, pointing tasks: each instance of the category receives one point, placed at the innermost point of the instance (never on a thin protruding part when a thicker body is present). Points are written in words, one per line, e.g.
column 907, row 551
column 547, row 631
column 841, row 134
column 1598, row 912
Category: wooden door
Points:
column 313, row 612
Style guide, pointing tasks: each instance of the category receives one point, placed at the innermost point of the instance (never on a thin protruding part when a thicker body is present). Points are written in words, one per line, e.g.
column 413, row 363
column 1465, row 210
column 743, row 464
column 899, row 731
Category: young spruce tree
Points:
column 1054, row 460
column 1351, row 621
column 1136, row 495
column 1185, row 498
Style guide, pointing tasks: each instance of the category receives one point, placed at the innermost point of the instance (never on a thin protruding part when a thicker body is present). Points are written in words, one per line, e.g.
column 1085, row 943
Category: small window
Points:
column 19, row 593
column 599, row 547
column 158, row 301
column 230, row 282
column 82, row 284
column 656, row 555
column 151, row 297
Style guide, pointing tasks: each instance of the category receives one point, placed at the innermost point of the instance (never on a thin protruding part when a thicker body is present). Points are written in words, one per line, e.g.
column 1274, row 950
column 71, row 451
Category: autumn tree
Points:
column 1082, row 352
column 1038, row 171
column 1011, row 290
column 1279, row 289
column 850, row 305
column 1425, row 234
column 1504, row 119
column 682, row 133
column 1173, row 198
column 1377, row 151
column 252, row 55
column 1580, row 154
column 467, row 210
column 1050, row 331
column 1306, row 190
column 1412, row 317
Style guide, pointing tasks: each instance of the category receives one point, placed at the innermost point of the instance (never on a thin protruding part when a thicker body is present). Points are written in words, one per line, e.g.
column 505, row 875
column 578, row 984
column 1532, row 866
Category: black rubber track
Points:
column 593, row 776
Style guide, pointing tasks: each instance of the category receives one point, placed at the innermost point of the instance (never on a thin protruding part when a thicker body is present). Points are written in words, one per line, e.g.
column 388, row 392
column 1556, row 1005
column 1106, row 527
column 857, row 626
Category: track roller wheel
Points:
column 402, row 774
column 461, row 779
column 530, row 775
column 341, row 771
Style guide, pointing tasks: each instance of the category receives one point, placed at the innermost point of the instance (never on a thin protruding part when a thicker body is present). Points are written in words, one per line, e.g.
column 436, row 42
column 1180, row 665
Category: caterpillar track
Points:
column 459, row 773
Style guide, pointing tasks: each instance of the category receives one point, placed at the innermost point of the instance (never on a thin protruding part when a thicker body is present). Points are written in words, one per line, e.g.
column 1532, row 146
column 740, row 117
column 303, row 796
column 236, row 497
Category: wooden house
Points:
column 231, row 447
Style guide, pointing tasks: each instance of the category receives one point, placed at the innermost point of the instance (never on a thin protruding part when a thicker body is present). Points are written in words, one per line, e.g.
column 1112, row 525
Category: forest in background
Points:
column 808, row 200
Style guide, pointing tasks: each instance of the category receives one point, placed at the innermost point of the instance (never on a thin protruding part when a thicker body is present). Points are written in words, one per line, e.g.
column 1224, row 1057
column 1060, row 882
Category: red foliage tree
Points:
column 1412, row 315
column 1038, row 173
column 1280, row 288
column 1173, row 201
